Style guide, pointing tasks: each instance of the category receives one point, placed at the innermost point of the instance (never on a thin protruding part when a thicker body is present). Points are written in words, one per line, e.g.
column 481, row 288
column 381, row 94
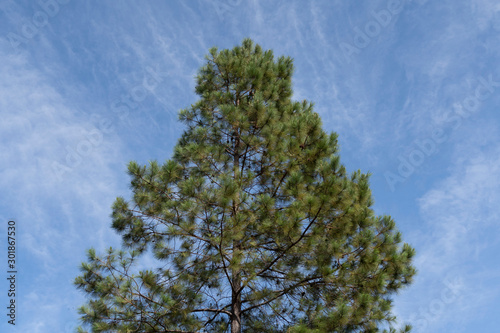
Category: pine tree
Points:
column 254, row 223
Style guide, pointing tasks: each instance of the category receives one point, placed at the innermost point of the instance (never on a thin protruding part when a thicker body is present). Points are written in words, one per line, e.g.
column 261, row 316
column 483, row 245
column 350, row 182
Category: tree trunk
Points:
column 236, row 275
column 236, row 306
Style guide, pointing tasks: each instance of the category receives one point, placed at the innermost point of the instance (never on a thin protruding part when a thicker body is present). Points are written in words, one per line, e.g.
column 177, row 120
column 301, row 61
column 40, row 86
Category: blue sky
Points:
column 412, row 87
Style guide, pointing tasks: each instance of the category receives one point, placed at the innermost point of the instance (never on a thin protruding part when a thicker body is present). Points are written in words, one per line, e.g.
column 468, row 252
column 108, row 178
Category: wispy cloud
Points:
column 38, row 123
column 460, row 224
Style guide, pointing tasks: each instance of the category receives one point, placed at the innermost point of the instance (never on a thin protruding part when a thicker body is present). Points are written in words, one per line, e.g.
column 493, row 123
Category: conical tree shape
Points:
column 254, row 222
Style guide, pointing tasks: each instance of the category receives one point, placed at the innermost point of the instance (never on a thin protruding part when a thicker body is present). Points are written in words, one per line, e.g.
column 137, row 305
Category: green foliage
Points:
column 254, row 222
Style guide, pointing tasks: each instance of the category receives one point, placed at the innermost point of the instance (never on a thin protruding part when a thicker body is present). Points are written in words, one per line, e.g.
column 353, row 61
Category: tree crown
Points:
column 254, row 222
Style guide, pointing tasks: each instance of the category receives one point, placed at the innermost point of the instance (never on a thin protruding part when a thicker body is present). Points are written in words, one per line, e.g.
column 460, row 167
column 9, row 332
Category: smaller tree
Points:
column 255, row 224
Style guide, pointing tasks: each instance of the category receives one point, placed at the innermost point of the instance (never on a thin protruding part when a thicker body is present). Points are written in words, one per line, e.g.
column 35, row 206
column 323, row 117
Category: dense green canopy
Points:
column 254, row 223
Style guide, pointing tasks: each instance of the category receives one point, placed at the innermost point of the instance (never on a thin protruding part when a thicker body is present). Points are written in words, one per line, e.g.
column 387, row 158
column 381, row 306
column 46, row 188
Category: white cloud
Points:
column 460, row 217
column 57, row 217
